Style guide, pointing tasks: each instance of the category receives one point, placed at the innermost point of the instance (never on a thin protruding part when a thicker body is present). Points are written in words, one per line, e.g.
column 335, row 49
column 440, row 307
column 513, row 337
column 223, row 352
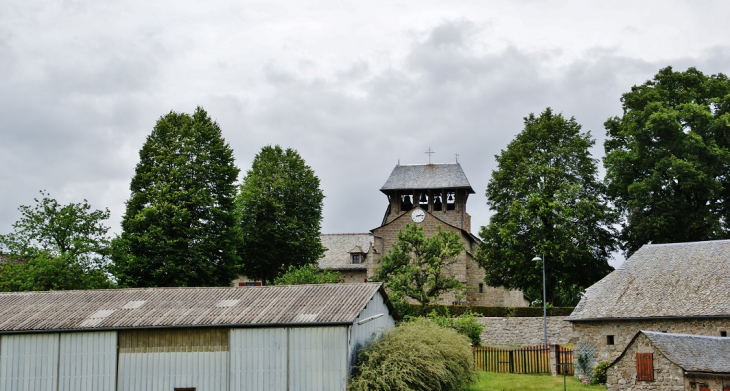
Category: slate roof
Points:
column 663, row 281
column 339, row 248
column 694, row 353
column 184, row 307
column 427, row 176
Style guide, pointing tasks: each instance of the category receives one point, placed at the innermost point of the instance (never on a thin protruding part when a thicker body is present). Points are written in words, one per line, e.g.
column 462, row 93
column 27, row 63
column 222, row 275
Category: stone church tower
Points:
column 435, row 195
column 430, row 195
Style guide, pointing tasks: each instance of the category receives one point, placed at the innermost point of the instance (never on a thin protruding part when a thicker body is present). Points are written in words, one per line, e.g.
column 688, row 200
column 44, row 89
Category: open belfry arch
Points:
column 431, row 196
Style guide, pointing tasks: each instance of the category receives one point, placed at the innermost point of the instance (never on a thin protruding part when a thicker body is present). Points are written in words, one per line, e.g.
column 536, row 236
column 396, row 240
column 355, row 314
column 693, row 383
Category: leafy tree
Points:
column 43, row 271
column 466, row 324
column 54, row 247
column 180, row 228
column 547, row 200
column 307, row 274
column 280, row 209
column 668, row 157
column 418, row 267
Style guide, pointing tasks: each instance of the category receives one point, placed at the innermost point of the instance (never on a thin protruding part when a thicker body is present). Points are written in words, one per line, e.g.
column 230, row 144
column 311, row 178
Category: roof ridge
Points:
column 686, row 243
column 426, row 164
column 345, row 234
column 683, row 335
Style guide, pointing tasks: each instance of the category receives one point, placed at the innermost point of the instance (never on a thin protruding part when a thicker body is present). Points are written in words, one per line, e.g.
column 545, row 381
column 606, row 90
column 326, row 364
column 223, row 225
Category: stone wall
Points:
column 667, row 375
column 596, row 333
column 525, row 331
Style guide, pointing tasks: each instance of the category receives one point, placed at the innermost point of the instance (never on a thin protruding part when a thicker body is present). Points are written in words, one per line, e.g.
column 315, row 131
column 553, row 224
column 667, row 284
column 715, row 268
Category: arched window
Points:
column 450, row 200
column 437, row 202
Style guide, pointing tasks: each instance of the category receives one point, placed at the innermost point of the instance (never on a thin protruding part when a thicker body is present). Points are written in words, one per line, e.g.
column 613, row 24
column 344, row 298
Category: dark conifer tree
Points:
column 179, row 228
column 280, row 206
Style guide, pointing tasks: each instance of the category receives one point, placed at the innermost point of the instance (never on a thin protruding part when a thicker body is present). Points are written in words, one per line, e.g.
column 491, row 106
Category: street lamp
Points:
column 544, row 299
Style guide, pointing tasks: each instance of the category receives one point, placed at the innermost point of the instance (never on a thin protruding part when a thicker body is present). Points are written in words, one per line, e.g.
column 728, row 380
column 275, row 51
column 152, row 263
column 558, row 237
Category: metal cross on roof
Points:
column 429, row 153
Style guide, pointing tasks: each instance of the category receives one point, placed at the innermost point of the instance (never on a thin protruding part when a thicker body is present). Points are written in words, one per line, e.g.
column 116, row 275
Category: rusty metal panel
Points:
column 29, row 362
column 181, row 307
column 173, row 340
column 88, row 361
column 318, row 358
column 258, row 359
column 151, row 360
column 375, row 319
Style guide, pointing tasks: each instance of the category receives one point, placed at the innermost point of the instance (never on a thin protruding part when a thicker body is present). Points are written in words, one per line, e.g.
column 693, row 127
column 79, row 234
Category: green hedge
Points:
column 502, row 312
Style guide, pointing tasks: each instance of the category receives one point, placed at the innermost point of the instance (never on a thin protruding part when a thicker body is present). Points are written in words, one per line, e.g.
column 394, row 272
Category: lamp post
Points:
column 544, row 298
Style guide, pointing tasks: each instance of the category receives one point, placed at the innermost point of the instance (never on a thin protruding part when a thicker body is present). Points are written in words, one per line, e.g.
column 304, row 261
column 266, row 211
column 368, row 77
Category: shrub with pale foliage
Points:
column 418, row 355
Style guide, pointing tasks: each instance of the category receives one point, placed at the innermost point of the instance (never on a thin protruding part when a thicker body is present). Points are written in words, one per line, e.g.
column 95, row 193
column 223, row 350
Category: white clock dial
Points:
column 418, row 215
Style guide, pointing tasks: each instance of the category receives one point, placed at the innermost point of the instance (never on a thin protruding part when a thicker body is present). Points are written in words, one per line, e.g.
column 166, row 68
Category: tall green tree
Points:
column 280, row 209
column 547, row 199
column 56, row 247
column 418, row 266
column 180, row 227
column 668, row 158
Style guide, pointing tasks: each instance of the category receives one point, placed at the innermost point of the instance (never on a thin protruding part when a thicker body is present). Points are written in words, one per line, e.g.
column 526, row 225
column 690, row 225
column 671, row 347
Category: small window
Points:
column 355, row 258
column 481, row 288
column 609, row 340
column 723, row 333
column 185, row 389
column 644, row 367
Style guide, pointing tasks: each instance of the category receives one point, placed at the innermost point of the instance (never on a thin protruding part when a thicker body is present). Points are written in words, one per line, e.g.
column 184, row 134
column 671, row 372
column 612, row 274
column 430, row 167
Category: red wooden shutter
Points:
column 705, row 389
column 644, row 367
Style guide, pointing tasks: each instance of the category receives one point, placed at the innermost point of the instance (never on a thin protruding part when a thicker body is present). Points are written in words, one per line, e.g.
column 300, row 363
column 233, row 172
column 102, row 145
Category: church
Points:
column 430, row 195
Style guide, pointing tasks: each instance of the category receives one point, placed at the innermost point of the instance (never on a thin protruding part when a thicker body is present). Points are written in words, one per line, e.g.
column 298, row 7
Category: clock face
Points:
column 418, row 215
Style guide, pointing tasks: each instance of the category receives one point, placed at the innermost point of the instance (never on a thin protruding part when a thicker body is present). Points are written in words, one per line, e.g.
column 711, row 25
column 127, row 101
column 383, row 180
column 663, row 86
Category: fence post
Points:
column 554, row 359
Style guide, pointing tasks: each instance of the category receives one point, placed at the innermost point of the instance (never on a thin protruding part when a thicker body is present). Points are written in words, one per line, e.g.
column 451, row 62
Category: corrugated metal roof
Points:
column 663, row 280
column 339, row 247
column 181, row 307
column 427, row 176
column 694, row 353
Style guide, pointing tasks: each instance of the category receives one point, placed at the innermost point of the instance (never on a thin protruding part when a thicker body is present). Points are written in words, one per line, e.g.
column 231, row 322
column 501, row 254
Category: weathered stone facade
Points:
column 517, row 331
column 695, row 382
column 465, row 269
column 596, row 333
column 667, row 375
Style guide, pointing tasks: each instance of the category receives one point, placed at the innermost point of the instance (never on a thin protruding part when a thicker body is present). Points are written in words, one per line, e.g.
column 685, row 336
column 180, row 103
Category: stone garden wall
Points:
column 519, row 331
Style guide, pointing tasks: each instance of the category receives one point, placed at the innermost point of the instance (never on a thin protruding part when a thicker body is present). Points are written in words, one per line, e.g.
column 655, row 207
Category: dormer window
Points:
column 356, row 258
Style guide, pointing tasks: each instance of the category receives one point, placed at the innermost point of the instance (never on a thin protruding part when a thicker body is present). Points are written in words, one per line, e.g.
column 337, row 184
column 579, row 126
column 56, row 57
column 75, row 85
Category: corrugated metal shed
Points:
column 183, row 307
column 427, row 176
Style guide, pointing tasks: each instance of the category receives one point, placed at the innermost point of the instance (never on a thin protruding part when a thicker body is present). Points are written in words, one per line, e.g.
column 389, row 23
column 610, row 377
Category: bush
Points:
column 465, row 324
column 599, row 374
column 502, row 312
column 307, row 274
column 417, row 355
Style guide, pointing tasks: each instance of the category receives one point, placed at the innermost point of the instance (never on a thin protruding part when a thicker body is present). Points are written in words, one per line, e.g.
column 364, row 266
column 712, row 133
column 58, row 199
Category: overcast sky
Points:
column 355, row 87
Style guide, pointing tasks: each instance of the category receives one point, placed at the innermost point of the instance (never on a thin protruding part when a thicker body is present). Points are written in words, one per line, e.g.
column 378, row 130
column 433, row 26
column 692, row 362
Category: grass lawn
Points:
column 488, row 381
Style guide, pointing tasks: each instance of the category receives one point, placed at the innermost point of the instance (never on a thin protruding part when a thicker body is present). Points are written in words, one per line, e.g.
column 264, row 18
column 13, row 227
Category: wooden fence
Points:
column 534, row 359
column 565, row 361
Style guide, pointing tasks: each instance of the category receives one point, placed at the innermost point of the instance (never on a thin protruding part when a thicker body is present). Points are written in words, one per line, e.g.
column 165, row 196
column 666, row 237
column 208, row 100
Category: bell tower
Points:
column 439, row 189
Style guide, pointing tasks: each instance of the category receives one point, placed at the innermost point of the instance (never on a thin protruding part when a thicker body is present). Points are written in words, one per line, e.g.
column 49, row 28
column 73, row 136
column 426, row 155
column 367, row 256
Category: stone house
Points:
column 664, row 361
column 432, row 196
column 348, row 254
column 676, row 288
